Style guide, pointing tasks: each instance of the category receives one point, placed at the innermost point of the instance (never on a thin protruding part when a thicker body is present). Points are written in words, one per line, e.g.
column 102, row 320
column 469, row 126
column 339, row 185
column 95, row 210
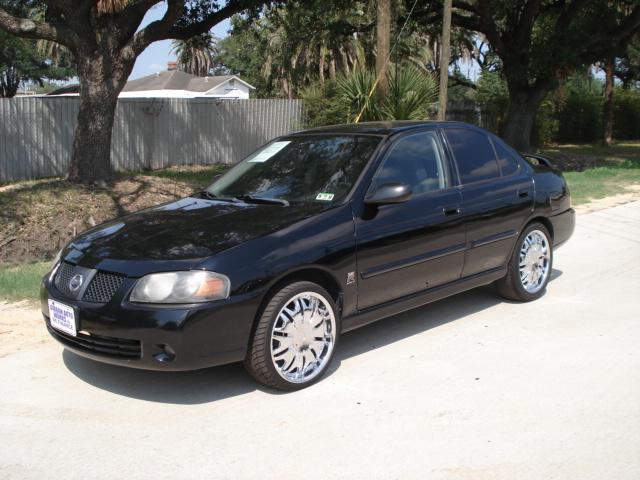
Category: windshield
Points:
column 312, row 168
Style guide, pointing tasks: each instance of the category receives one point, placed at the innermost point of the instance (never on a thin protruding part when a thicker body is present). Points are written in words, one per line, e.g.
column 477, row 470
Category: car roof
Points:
column 378, row 128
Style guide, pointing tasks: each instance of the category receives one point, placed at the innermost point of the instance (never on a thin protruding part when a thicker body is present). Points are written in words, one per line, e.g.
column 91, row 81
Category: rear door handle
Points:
column 449, row 211
column 523, row 193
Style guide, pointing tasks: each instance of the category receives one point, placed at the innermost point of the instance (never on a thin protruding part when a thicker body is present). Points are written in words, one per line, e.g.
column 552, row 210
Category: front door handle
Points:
column 523, row 193
column 450, row 211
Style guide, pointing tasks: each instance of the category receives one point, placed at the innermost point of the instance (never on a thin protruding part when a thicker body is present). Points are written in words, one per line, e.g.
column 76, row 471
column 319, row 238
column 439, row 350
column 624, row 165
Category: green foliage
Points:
column 412, row 95
column 573, row 113
column 626, row 114
column 492, row 96
column 492, row 89
column 196, row 55
column 241, row 53
column 580, row 116
column 545, row 130
column 356, row 91
column 322, row 106
column 298, row 43
column 21, row 60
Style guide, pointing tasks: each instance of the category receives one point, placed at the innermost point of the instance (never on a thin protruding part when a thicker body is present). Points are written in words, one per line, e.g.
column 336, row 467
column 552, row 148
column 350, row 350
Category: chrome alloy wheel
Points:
column 535, row 257
column 303, row 337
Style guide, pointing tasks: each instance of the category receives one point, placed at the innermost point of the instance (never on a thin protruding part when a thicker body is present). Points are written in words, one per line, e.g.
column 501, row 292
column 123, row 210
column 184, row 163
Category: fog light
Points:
column 167, row 354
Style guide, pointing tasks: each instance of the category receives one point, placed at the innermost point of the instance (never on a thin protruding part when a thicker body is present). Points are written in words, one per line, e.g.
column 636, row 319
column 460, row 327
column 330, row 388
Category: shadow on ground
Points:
column 209, row 385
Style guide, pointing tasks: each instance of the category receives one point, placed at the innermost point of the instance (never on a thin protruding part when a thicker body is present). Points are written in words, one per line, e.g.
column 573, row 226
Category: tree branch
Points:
column 524, row 26
column 24, row 27
column 156, row 30
column 168, row 28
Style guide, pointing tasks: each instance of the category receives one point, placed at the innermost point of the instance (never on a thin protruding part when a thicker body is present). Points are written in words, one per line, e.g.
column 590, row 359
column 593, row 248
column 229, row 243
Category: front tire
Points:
column 530, row 265
column 295, row 337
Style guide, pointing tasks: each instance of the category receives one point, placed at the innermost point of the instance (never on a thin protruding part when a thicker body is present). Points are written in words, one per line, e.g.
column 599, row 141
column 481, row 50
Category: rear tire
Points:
column 529, row 268
column 295, row 337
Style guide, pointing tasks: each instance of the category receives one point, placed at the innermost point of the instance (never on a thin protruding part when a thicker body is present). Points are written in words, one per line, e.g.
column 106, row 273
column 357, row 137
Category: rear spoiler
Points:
column 537, row 160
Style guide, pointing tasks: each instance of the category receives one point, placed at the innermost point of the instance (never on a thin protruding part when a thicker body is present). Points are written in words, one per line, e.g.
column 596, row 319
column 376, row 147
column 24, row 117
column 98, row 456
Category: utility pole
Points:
column 445, row 53
column 383, row 41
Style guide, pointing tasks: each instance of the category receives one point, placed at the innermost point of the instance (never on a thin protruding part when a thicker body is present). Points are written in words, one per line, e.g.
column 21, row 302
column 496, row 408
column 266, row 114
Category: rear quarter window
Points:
column 473, row 154
column 506, row 160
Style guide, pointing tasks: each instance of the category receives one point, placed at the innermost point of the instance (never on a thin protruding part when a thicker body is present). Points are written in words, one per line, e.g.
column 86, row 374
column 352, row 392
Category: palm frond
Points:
column 196, row 55
column 111, row 6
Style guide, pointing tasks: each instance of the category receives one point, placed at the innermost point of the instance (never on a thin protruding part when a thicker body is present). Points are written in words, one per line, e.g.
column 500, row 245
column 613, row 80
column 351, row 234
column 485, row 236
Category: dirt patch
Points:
column 579, row 158
column 631, row 194
column 576, row 163
column 21, row 327
column 37, row 218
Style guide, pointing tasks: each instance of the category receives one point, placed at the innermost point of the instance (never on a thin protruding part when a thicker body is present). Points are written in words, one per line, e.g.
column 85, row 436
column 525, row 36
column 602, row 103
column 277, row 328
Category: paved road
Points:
column 467, row 388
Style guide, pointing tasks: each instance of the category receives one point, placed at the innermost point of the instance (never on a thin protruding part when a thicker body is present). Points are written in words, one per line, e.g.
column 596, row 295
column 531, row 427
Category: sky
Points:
column 155, row 57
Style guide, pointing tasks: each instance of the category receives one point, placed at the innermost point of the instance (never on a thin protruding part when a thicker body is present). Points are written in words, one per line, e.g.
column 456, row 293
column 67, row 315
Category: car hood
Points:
column 186, row 229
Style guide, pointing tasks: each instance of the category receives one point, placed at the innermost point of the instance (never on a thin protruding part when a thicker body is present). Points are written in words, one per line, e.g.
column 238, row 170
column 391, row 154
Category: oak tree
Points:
column 105, row 38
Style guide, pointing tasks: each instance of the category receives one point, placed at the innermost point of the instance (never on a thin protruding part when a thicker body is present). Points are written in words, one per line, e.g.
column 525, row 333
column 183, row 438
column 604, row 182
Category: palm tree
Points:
column 196, row 55
column 412, row 95
column 299, row 52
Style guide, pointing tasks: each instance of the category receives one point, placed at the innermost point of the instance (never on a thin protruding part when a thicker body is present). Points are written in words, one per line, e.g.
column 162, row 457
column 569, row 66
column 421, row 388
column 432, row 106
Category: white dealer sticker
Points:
column 325, row 197
column 269, row 152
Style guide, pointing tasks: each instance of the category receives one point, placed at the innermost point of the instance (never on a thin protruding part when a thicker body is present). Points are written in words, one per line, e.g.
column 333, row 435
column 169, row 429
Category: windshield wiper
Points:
column 269, row 201
column 213, row 196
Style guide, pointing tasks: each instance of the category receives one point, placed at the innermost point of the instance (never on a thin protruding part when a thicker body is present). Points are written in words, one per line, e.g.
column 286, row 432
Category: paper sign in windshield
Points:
column 269, row 152
column 327, row 197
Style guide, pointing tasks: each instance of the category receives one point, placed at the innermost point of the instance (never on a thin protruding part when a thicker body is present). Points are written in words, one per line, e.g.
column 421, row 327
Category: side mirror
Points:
column 389, row 193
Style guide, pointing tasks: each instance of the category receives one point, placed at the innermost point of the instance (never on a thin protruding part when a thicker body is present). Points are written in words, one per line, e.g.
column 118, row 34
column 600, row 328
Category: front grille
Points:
column 65, row 272
column 103, row 287
column 108, row 346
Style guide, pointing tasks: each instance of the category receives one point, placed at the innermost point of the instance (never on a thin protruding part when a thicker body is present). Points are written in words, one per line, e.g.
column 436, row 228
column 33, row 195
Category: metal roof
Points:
column 177, row 80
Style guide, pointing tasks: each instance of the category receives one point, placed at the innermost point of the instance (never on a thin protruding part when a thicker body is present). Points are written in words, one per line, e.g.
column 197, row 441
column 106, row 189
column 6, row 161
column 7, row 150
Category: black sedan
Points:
column 314, row 234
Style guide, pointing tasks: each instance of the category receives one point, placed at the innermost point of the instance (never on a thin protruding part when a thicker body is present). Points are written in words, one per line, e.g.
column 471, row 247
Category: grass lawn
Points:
column 594, row 171
column 21, row 282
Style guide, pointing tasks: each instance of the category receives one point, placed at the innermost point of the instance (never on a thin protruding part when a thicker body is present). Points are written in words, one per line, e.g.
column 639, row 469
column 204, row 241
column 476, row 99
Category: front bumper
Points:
column 157, row 337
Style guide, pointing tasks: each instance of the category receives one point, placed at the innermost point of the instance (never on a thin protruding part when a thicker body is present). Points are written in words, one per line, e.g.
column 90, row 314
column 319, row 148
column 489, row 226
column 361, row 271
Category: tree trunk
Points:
column 321, row 63
column 521, row 113
column 383, row 41
column 444, row 60
column 9, row 83
column 607, row 106
column 102, row 77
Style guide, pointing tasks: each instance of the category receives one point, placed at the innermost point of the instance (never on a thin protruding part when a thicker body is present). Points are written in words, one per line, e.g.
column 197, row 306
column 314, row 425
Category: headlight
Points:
column 181, row 287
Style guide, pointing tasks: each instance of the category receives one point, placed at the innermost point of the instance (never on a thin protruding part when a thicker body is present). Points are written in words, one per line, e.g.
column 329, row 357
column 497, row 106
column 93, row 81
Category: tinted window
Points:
column 474, row 155
column 507, row 162
column 300, row 169
column 414, row 160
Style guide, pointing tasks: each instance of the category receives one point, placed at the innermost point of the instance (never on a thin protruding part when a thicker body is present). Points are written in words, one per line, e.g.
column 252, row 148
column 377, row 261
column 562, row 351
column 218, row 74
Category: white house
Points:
column 173, row 83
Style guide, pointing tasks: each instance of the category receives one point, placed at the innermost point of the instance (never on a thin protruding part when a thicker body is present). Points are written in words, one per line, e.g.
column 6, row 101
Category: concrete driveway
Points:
column 467, row 388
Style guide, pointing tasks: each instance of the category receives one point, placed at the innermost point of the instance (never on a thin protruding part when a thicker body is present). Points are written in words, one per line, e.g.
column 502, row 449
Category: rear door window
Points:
column 473, row 154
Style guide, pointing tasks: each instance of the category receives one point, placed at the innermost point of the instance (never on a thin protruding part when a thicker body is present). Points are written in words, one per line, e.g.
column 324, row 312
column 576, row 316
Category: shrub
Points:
column 626, row 108
column 411, row 96
column 580, row 115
